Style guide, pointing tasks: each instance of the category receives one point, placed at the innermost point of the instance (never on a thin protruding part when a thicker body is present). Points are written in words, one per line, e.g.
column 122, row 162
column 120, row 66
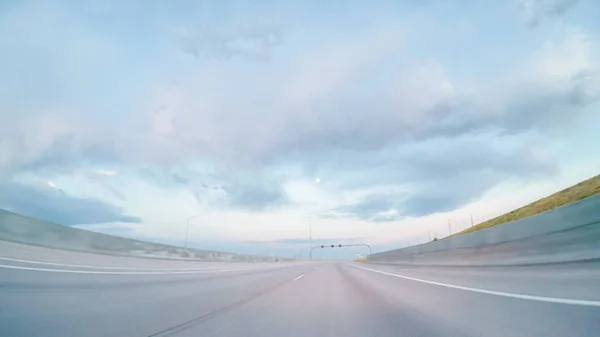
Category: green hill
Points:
column 571, row 194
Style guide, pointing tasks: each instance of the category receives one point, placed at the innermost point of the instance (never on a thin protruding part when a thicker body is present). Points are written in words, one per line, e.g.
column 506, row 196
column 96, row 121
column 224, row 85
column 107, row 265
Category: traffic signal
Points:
column 322, row 246
column 340, row 246
column 332, row 246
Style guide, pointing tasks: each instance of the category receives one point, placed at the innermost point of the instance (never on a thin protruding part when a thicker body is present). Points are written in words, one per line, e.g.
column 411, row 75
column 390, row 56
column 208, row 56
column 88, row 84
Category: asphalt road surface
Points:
column 54, row 293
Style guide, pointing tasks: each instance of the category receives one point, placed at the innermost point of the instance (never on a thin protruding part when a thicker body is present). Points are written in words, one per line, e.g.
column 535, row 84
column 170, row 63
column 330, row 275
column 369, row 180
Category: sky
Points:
column 265, row 122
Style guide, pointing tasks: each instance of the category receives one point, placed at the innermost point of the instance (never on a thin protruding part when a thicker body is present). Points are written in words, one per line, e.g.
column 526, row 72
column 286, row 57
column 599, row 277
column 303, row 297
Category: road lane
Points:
column 37, row 303
column 556, row 283
column 477, row 314
column 339, row 300
column 329, row 301
column 294, row 299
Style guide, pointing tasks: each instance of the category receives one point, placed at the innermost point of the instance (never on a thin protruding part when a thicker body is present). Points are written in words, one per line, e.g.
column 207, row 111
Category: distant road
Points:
column 63, row 294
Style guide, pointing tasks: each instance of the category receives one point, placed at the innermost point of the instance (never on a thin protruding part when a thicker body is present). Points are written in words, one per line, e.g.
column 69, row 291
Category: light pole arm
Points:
column 338, row 245
column 310, row 235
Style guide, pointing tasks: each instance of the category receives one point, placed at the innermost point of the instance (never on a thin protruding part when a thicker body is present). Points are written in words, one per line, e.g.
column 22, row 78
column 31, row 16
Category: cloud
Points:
column 244, row 195
column 107, row 172
column 377, row 207
column 255, row 196
column 536, row 11
column 323, row 106
column 223, row 187
column 51, row 184
column 388, row 207
column 46, row 204
column 179, row 179
column 395, row 125
column 315, row 124
column 438, row 175
column 249, row 43
column 551, row 91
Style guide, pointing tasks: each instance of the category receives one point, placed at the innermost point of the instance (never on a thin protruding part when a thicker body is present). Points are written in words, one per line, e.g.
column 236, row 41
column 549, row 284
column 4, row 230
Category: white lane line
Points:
column 299, row 277
column 100, row 267
column 491, row 292
column 127, row 272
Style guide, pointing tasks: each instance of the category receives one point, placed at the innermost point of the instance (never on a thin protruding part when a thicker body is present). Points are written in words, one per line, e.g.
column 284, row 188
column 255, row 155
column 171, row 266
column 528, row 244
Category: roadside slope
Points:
column 565, row 234
column 582, row 190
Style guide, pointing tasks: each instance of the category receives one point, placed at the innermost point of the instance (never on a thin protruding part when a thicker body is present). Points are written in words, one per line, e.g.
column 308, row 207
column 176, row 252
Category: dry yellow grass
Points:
column 361, row 259
column 571, row 194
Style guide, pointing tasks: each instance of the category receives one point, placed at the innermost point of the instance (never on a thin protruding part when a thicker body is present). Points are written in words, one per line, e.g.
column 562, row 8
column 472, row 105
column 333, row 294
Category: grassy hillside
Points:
column 571, row 194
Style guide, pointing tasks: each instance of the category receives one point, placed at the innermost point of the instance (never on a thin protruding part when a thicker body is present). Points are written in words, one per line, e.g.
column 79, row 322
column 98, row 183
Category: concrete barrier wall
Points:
column 21, row 229
column 568, row 233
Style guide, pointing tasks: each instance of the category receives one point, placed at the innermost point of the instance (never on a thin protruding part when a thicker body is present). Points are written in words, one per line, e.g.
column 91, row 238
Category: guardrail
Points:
column 26, row 230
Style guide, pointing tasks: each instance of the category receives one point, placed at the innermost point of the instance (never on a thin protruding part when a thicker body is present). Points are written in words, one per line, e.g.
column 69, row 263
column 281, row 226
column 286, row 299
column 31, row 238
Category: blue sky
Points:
column 380, row 121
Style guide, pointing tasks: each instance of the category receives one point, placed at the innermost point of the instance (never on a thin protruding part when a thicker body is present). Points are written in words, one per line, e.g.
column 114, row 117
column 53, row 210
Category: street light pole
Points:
column 310, row 235
column 187, row 229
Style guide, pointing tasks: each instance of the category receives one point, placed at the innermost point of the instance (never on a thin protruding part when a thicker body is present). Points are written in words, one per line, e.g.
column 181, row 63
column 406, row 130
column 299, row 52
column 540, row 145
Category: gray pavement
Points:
column 49, row 296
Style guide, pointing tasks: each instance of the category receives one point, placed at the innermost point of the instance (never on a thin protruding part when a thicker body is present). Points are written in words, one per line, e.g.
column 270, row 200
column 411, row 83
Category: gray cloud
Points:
column 536, row 11
column 369, row 126
column 373, row 207
column 252, row 197
column 369, row 207
column 54, row 206
column 433, row 177
column 419, row 205
column 59, row 155
column 545, row 108
column 251, row 43
column 226, row 188
column 116, row 192
column 255, row 196
column 179, row 179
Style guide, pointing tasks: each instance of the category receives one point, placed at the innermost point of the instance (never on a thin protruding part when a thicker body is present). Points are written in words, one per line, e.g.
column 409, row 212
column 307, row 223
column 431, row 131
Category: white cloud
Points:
column 562, row 59
column 107, row 172
column 324, row 74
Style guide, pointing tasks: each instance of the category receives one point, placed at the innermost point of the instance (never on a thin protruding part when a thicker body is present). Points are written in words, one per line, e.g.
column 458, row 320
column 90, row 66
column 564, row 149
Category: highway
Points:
column 45, row 292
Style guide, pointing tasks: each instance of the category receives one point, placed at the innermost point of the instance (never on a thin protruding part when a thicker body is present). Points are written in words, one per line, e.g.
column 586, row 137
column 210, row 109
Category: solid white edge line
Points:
column 102, row 267
column 491, row 292
column 299, row 277
column 127, row 272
